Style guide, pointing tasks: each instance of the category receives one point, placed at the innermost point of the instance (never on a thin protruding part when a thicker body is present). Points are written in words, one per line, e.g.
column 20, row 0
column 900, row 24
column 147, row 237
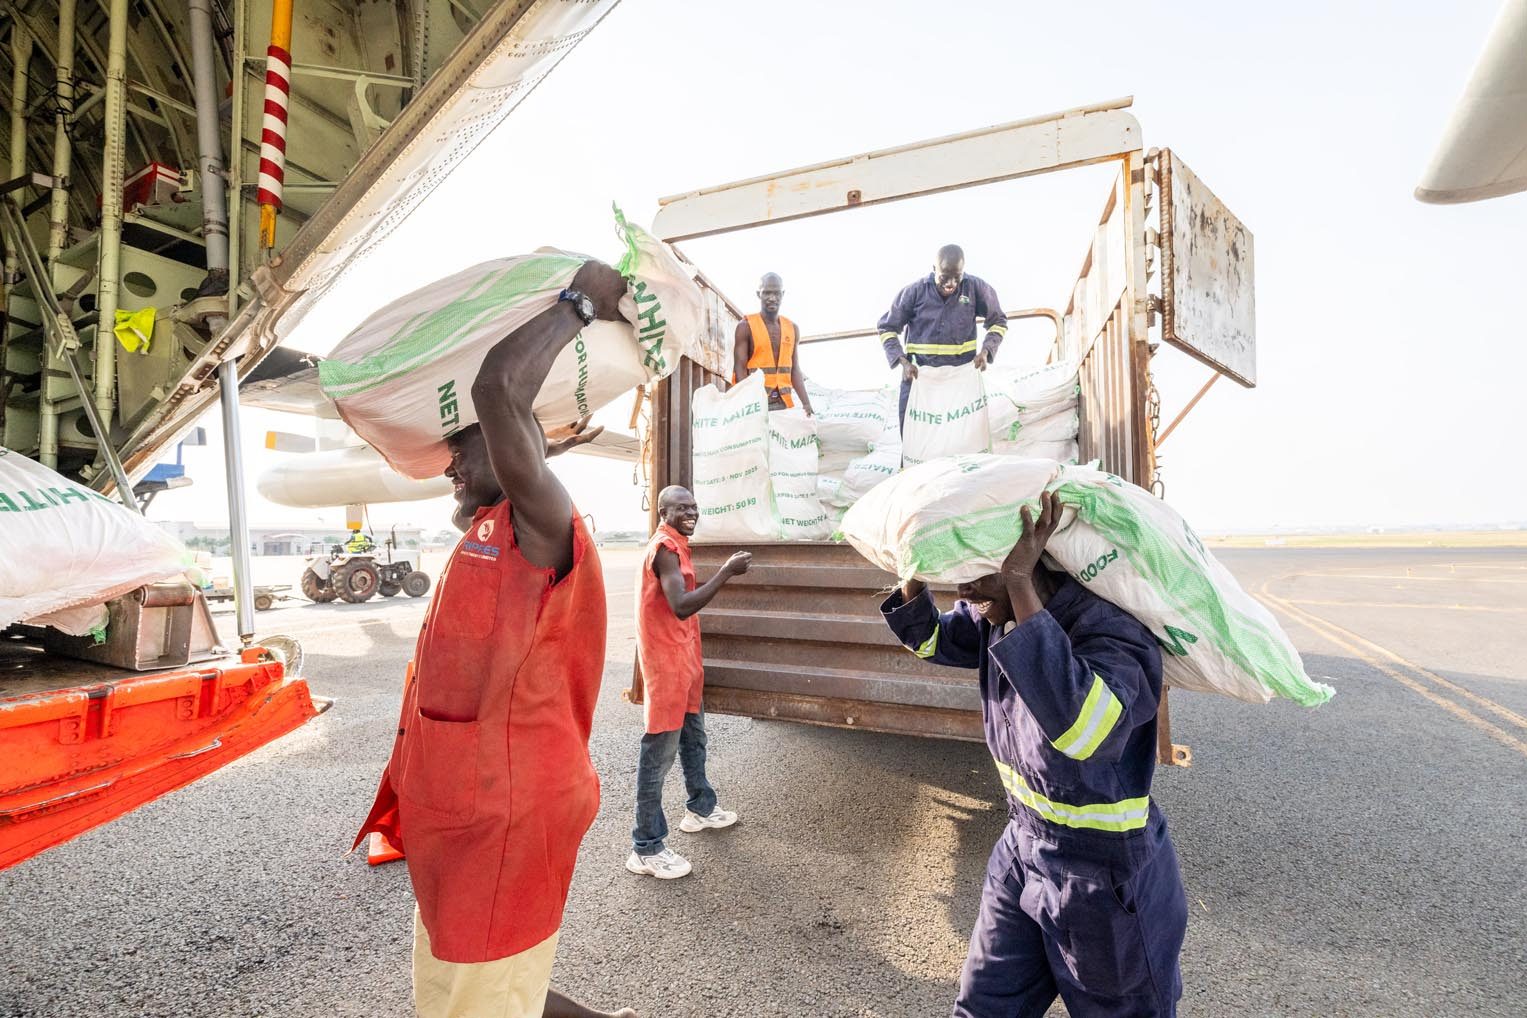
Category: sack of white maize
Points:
column 953, row 520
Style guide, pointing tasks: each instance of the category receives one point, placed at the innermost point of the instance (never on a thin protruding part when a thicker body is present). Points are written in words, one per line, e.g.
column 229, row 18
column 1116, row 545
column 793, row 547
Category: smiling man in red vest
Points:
column 668, row 602
column 766, row 342
column 490, row 788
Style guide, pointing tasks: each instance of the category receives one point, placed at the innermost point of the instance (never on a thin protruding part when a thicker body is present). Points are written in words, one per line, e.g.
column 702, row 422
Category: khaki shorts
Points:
column 513, row 987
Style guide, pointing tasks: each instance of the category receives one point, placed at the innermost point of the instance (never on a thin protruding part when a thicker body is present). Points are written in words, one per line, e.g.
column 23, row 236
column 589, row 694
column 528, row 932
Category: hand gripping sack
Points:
column 65, row 547
column 946, row 415
column 793, row 477
column 731, row 463
column 403, row 379
column 955, row 520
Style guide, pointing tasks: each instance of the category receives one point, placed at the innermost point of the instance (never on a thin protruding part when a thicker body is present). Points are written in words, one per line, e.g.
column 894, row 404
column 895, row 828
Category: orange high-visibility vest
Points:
column 776, row 376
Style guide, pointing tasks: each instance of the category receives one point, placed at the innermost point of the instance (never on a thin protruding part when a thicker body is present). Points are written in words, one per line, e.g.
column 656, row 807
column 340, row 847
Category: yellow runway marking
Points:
column 1402, row 604
column 1355, row 644
column 1485, row 702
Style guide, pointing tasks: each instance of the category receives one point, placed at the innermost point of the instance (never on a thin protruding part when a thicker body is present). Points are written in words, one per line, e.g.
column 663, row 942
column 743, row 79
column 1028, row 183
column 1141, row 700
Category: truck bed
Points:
column 800, row 637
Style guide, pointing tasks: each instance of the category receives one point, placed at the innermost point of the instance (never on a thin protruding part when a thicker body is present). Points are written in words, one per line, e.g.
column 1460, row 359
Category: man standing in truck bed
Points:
column 490, row 788
column 1083, row 896
column 939, row 315
column 766, row 342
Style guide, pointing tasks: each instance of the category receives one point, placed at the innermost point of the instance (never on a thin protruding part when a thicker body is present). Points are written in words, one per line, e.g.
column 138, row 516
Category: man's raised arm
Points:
column 504, row 393
column 687, row 602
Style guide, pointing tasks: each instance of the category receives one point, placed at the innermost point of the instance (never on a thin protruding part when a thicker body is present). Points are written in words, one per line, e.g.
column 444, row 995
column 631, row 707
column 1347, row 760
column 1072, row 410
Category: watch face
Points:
column 586, row 309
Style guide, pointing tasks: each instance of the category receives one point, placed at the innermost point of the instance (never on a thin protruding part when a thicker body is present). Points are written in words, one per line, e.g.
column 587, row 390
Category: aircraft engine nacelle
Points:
column 338, row 477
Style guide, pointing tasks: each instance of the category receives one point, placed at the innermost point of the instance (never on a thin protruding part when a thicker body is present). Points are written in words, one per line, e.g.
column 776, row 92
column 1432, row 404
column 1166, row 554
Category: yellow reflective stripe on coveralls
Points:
column 1100, row 713
column 929, row 646
column 1126, row 815
column 941, row 349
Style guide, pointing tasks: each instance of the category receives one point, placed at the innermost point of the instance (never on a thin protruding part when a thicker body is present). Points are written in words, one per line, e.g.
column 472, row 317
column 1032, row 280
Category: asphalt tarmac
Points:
column 1365, row 858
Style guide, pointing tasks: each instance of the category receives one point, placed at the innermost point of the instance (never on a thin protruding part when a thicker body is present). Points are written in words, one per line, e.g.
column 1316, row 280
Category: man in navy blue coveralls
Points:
column 939, row 314
column 1083, row 896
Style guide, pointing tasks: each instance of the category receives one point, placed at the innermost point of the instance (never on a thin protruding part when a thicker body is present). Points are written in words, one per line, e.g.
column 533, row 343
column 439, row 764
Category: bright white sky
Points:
column 1391, row 353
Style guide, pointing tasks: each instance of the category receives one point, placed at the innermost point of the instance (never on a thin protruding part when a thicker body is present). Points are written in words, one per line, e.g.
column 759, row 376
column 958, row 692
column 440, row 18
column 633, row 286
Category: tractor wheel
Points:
column 315, row 589
column 416, row 584
column 264, row 602
column 358, row 581
column 390, row 588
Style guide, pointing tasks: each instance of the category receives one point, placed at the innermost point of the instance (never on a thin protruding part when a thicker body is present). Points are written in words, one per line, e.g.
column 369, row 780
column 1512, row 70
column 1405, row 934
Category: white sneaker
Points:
column 666, row 865
column 693, row 822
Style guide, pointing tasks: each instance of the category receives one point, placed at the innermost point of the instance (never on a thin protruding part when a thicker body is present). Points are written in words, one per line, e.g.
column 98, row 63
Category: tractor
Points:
column 355, row 571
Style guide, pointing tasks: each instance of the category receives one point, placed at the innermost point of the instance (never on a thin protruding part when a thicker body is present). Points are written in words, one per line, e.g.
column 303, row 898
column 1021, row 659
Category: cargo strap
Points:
column 1125, row 815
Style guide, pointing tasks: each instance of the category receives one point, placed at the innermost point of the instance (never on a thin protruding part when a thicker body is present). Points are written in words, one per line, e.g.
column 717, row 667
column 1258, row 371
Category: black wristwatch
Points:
column 580, row 303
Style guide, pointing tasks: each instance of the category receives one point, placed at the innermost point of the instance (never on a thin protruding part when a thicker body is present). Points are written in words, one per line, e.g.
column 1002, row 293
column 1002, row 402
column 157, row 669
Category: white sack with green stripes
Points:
column 946, row 414
column 882, row 461
column 793, row 476
column 953, row 520
column 1031, row 403
column 403, row 379
column 849, row 421
column 65, row 550
column 731, row 463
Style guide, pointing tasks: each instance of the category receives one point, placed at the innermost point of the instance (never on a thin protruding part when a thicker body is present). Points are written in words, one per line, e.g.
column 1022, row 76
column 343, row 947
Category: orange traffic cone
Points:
column 380, row 850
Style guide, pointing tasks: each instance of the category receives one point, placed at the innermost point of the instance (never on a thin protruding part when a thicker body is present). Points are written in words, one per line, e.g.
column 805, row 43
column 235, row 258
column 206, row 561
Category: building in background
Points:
column 278, row 540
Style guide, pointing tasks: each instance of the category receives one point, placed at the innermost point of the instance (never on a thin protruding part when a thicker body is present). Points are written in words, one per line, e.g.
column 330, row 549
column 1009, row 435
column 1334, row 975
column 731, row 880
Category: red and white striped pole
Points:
column 278, row 89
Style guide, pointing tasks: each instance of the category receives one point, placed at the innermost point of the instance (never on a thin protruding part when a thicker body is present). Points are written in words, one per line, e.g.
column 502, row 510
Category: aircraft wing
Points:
column 287, row 381
column 613, row 445
column 501, row 60
column 1483, row 153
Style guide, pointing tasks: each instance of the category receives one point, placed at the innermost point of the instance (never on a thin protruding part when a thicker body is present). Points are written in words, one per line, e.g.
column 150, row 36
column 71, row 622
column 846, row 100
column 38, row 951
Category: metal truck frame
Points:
column 799, row 637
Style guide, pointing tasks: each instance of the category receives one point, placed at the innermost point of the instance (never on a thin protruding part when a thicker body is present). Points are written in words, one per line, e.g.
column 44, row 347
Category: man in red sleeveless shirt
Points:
column 673, row 675
column 490, row 788
column 767, row 342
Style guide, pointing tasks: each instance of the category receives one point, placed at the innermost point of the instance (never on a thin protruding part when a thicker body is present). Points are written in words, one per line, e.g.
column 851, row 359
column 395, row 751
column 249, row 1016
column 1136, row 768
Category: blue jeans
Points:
column 658, row 751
